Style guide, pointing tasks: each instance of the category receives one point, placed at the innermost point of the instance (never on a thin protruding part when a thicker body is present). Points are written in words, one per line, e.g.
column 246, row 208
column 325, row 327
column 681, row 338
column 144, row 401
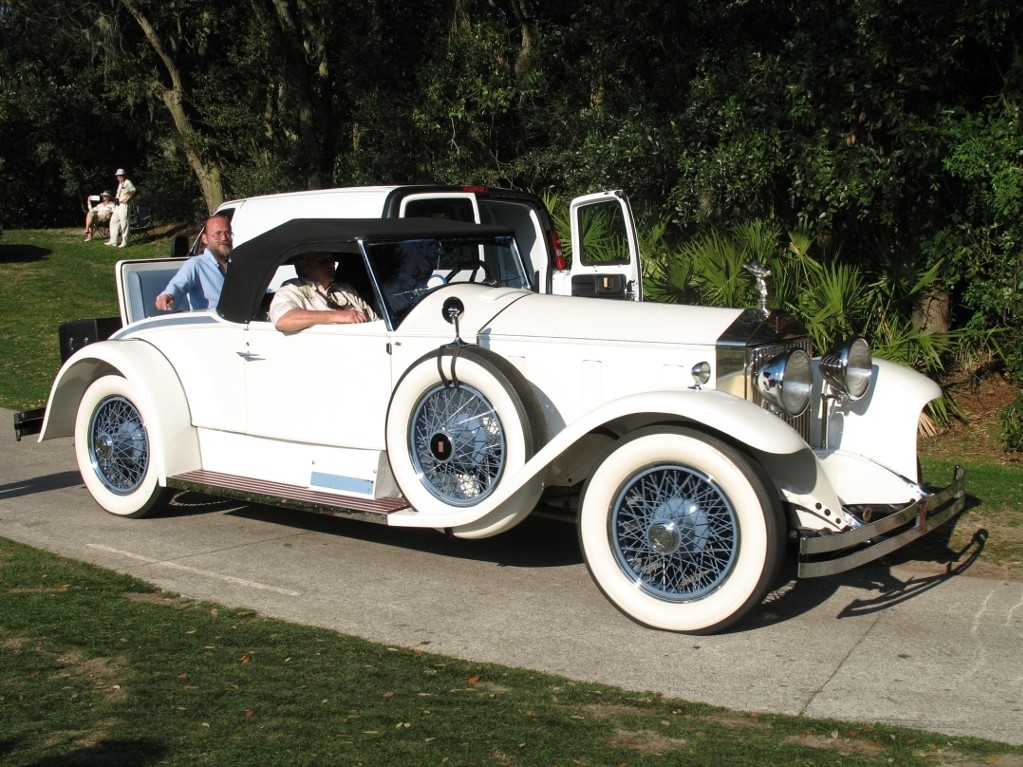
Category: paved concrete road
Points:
column 904, row 645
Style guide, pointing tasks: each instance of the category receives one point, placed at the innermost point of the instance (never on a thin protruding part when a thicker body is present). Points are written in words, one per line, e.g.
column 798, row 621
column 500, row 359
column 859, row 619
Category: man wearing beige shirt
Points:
column 119, row 220
column 315, row 298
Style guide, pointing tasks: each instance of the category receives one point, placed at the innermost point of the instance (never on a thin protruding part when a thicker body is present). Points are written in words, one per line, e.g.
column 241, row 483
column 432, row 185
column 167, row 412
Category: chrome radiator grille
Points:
column 758, row 355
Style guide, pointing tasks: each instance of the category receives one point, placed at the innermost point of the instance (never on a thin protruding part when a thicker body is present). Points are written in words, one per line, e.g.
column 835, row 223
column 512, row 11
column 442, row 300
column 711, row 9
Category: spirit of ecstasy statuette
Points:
column 761, row 273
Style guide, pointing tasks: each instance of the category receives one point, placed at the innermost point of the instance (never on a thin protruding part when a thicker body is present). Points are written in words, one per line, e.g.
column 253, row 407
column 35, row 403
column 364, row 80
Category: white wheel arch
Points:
column 680, row 530
column 174, row 441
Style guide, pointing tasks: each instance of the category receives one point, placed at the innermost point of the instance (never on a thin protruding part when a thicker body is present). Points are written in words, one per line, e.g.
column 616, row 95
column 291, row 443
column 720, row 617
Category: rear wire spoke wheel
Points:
column 114, row 450
column 681, row 531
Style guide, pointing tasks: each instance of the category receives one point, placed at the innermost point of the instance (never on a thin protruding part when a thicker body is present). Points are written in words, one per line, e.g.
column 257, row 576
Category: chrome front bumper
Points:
column 829, row 554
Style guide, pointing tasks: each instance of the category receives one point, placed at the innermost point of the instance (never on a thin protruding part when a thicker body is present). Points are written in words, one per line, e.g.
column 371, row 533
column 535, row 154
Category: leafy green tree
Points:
column 59, row 142
column 982, row 238
column 890, row 128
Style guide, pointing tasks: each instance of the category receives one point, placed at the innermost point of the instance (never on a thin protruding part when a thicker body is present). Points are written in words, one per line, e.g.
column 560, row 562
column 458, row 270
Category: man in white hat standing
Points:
column 119, row 221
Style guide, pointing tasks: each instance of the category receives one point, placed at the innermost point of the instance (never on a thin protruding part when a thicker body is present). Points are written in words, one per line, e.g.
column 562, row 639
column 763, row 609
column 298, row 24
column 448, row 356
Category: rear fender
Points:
column 174, row 441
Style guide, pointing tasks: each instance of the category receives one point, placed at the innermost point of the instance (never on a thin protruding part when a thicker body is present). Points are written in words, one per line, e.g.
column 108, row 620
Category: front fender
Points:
column 175, row 442
column 751, row 425
column 883, row 425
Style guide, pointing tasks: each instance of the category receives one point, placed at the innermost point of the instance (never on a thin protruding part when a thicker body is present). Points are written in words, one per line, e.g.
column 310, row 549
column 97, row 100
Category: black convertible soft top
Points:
column 254, row 263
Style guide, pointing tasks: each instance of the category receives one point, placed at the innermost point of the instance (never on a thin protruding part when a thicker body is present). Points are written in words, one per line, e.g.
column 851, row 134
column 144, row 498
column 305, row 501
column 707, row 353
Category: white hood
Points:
column 543, row 316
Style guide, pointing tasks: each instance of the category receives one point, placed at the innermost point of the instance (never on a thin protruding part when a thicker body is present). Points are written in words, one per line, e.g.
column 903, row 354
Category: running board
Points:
column 289, row 496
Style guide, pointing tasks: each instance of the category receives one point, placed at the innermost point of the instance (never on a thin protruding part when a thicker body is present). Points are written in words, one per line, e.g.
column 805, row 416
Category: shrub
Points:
column 1012, row 425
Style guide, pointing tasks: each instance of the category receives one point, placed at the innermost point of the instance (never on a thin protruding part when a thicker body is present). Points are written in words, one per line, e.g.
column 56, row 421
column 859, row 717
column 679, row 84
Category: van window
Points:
column 447, row 209
column 602, row 227
column 522, row 218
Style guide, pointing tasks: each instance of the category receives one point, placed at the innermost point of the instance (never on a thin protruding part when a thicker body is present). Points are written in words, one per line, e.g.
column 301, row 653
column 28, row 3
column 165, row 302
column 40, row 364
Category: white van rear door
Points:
column 604, row 248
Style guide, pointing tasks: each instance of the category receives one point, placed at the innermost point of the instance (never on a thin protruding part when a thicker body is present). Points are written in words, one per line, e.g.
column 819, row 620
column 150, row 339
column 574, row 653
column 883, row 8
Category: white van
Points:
column 605, row 257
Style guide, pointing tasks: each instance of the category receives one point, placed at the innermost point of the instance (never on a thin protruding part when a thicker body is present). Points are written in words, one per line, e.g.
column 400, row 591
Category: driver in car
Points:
column 411, row 268
column 316, row 298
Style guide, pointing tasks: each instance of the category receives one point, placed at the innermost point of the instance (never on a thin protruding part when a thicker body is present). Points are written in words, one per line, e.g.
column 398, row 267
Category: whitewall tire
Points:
column 114, row 449
column 680, row 530
column 460, row 421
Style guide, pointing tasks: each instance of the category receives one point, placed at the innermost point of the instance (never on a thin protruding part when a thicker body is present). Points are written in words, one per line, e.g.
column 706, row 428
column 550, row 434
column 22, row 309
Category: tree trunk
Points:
column 300, row 37
column 207, row 172
column 934, row 313
column 530, row 35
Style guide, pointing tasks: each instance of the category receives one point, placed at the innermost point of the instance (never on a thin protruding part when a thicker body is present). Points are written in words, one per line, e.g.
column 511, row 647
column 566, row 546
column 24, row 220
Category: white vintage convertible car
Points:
column 694, row 447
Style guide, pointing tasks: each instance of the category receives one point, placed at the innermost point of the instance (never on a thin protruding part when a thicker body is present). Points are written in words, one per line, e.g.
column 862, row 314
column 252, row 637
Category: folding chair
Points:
column 99, row 229
column 140, row 222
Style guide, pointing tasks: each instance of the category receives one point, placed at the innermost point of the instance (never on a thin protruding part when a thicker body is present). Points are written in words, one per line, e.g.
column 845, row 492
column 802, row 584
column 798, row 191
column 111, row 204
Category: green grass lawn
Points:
column 100, row 669
column 47, row 277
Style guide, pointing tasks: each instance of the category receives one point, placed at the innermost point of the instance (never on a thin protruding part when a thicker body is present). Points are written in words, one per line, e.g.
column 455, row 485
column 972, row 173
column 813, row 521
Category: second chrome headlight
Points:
column 848, row 367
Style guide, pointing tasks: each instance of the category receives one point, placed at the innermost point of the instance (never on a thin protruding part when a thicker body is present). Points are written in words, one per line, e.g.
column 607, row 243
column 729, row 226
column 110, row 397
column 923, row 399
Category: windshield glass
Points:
column 407, row 270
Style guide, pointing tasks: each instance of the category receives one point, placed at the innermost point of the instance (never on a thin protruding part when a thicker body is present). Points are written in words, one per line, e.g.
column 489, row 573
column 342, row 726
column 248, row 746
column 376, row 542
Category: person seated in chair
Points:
column 99, row 213
column 316, row 298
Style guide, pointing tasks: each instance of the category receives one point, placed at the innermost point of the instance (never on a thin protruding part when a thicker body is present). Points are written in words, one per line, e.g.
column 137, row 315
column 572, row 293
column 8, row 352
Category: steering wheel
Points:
column 474, row 267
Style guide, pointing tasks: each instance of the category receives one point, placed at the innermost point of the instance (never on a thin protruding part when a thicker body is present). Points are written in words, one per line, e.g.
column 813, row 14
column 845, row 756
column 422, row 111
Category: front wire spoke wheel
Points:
column 674, row 532
column 681, row 530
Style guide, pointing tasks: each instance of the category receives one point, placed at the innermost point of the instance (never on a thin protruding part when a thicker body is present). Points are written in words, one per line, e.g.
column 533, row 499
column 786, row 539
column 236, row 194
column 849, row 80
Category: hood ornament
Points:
column 761, row 273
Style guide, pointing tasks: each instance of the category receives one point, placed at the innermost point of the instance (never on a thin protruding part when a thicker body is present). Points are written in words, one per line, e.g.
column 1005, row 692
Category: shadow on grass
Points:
column 109, row 753
column 15, row 253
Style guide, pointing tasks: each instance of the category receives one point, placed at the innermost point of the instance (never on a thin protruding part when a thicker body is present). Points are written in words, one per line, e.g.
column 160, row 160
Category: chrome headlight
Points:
column 701, row 374
column 848, row 367
column 785, row 381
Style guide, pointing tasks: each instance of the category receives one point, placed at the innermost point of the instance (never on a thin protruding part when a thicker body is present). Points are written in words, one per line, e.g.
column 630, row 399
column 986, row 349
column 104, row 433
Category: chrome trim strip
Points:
column 924, row 515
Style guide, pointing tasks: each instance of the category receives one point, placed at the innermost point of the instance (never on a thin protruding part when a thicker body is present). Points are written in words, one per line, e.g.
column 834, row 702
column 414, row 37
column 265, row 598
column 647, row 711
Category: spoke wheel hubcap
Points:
column 674, row 533
column 118, row 445
column 457, row 444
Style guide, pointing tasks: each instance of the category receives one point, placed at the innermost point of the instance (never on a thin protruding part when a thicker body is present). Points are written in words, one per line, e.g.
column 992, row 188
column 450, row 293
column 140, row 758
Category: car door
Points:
column 201, row 346
column 325, row 385
column 604, row 248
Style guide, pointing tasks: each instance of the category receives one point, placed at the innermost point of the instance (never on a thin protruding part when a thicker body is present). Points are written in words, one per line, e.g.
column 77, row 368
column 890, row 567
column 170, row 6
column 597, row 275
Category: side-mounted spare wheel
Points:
column 460, row 421
column 680, row 530
column 114, row 450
